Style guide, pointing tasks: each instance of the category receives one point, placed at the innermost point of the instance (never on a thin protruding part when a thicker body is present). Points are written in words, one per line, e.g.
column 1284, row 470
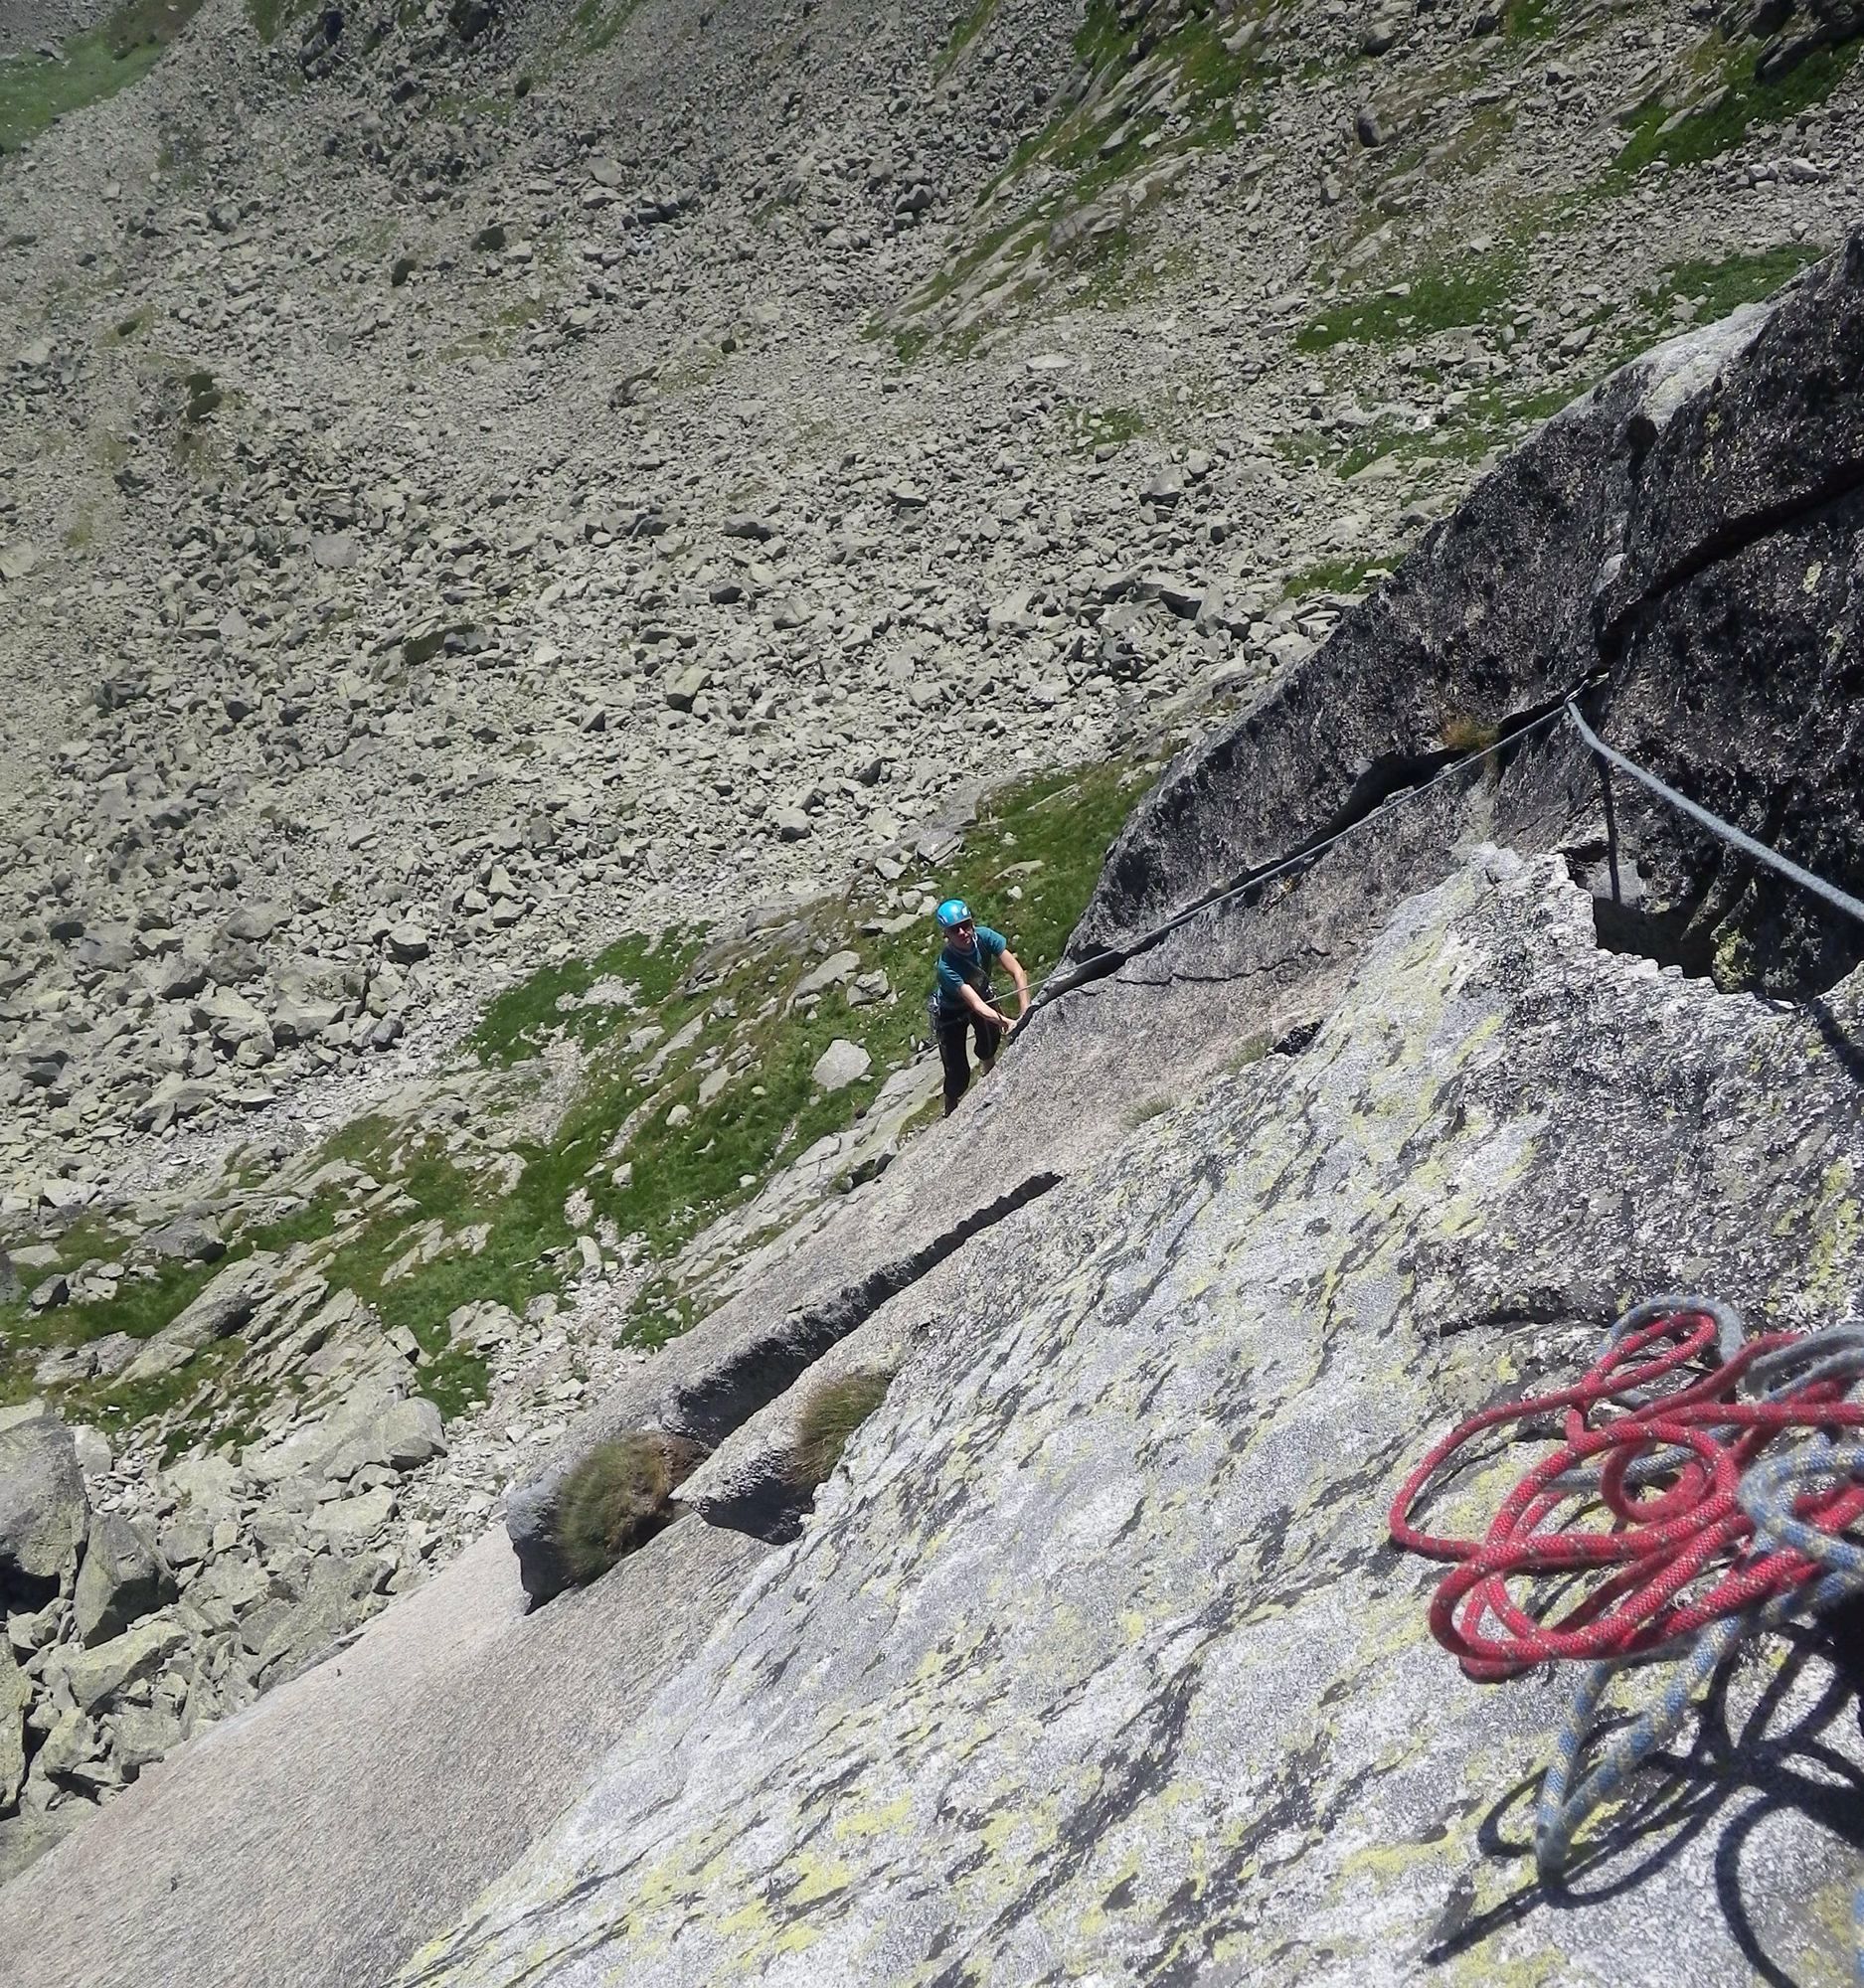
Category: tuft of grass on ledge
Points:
column 831, row 1414
column 617, row 1497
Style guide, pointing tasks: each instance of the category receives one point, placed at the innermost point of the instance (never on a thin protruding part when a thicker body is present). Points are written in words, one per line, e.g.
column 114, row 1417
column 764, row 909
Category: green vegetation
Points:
column 831, row 1414
column 1097, row 139
column 1531, row 19
column 1330, row 576
column 515, row 1024
column 694, row 1082
column 1250, row 1051
column 1091, row 428
column 35, row 92
column 144, row 1301
column 602, row 21
column 966, row 32
column 1463, row 734
column 1144, row 1113
column 616, row 1498
column 1439, row 298
column 1717, row 288
column 1719, row 120
column 272, row 17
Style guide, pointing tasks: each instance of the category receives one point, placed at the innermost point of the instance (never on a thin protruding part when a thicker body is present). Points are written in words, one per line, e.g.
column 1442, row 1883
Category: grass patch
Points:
column 1719, row 288
column 1723, row 118
column 831, row 1414
column 142, row 1305
column 1439, row 298
column 617, row 1497
column 966, row 32
column 600, row 21
column 1143, row 1115
column 35, row 92
column 1092, row 426
column 1330, row 576
column 1531, row 19
column 518, row 1021
column 272, row 17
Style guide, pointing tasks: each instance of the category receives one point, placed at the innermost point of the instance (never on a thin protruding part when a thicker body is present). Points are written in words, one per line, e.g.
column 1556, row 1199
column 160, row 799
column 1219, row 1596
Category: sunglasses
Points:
column 969, row 924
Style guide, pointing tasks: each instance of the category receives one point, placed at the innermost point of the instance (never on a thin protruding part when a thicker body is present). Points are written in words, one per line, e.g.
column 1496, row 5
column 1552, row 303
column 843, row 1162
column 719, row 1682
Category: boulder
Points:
column 137, row 1735
column 348, row 1523
column 187, row 1239
column 843, row 1062
column 43, row 1504
column 406, row 942
column 257, row 921
column 828, row 973
column 373, row 1426
column 121, row 1580
column 226, row 1306
column 15, row 1695
column 96, row 1676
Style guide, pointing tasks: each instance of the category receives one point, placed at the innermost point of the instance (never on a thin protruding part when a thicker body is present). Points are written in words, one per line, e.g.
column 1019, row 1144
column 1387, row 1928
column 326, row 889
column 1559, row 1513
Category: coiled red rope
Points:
column 1628, row 1538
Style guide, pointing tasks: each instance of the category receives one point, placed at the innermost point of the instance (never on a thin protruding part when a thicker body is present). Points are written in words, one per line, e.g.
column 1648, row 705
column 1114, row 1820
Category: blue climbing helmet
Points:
column 953, row 912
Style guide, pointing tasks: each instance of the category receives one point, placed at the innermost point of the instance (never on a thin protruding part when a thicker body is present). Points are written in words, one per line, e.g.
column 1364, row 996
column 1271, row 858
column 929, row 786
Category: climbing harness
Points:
column 1700, row 1488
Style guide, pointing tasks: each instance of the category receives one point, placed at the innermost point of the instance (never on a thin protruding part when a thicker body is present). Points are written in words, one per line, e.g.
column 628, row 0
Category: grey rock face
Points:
column 1128, row 1509
column 43, row 1504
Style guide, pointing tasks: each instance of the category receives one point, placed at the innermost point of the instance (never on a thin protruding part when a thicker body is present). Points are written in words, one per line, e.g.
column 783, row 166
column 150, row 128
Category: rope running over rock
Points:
column 1728, row 1477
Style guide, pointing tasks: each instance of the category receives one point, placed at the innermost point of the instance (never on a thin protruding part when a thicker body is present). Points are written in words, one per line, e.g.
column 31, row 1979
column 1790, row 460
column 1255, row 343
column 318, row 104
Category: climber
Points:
column 962, row 1001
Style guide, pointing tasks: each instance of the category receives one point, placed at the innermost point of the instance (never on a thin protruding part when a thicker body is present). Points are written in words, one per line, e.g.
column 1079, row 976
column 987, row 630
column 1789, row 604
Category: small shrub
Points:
column 1251, row 1051
column 830, row 1418
column 619, row 1496
column 1143, row 1115
column 1469, row 734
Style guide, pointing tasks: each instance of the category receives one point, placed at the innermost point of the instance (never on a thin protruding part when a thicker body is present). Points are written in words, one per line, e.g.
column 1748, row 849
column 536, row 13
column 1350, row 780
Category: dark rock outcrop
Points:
column 1681, row 546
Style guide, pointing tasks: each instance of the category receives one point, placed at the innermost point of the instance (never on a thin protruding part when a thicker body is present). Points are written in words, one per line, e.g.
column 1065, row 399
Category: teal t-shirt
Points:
column 958, row 969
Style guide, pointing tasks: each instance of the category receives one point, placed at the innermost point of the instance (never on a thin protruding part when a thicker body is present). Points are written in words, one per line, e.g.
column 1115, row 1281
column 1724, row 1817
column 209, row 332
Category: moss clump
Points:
column 830, row 1417
column 617, row 1497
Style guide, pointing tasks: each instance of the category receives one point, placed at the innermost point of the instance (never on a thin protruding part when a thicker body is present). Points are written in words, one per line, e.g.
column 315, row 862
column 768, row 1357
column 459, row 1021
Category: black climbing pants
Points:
column 952, row 1055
